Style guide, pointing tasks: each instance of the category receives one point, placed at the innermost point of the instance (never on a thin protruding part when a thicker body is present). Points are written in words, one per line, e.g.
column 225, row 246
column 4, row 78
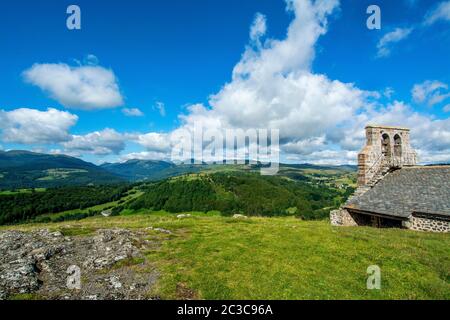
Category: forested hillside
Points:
column 249, row 194
column 69, row 183
column 139, row 170
column 24, row 169
column 135, row 170
column 24, row 206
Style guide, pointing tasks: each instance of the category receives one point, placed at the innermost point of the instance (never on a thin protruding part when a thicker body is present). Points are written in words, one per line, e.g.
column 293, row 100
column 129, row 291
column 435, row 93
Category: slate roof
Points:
column 423, row 190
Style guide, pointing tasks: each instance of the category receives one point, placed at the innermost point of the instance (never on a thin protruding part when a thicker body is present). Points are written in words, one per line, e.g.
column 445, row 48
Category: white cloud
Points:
column 31, row 126
column 160, row 107
column 159, row 142
column 272, row 87
column 321, row 120
column 294, row 52
column 84, row 87
column 433, row 157
column 430, row 92
column 132, row 112
column 446, row 108
column 145, row 155
column 440, row 13
column 105, row 142
column 258, row 28
column 327, row 157
column 428, row 135
column 305, row 146
column 385, row 43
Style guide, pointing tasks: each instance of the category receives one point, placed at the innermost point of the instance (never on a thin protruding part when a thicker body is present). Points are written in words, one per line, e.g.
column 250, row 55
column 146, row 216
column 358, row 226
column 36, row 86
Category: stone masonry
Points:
column 392, row 190
column 385, row 147
column 421, row 223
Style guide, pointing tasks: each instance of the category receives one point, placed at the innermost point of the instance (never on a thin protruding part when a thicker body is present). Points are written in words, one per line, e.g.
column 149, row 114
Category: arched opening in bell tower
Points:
column 386, row 145
column 397, row 146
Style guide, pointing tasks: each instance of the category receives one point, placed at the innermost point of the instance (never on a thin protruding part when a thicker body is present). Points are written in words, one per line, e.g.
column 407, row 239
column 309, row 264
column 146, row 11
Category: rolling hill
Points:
column 153, row 170
column 24, row 169
column 135, row 170
column 139, row 170
column 240, row 193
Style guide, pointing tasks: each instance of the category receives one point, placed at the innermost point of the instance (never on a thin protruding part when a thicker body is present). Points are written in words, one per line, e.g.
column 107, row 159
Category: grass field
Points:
column 11, row 192
column 54, row 174
column 213, row 257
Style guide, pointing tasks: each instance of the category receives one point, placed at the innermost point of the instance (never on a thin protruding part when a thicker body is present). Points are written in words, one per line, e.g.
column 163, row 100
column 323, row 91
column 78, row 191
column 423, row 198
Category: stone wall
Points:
column 345, row 218
column 368, row 164
column 421, row 223
column 342, row 217
column 336, row 217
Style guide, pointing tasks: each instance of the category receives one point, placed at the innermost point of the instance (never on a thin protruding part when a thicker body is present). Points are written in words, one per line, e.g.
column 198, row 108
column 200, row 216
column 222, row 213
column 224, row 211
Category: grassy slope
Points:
column 285, row 258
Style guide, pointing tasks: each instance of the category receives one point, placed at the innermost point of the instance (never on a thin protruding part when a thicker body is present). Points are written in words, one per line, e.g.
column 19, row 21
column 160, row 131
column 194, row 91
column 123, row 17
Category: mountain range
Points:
column 137, row 170
column 25, row 169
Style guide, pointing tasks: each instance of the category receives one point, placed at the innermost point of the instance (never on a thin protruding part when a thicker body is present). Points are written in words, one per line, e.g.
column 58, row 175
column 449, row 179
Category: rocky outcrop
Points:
column 109, row 265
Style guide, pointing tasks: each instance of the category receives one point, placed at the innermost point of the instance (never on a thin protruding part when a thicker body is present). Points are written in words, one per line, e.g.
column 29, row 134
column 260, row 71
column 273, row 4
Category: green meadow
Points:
column 209, row 256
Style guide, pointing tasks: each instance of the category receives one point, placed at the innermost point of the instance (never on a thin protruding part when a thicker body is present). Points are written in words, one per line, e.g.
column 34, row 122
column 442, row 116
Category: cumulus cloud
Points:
column 294, row 52
column 389, row 39
column 132, row 112
column 440, row 13
column 85, row 87
column 159, row 142
column 430, row 92
column 105, row 142
column 428, row 135
column 273, row 87
column 31, row 126
column 321, row 120
column 305, row 146
column 326, row 157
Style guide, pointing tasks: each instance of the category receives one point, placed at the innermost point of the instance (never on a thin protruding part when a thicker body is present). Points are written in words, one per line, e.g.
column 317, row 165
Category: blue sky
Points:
column 159, row 60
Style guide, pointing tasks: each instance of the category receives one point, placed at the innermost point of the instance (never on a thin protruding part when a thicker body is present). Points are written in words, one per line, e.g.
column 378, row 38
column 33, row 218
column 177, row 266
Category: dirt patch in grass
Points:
column 183, row 292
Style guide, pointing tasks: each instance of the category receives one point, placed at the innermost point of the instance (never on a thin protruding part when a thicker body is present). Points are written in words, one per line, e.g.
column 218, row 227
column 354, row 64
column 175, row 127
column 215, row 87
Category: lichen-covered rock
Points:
column 38, row 262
